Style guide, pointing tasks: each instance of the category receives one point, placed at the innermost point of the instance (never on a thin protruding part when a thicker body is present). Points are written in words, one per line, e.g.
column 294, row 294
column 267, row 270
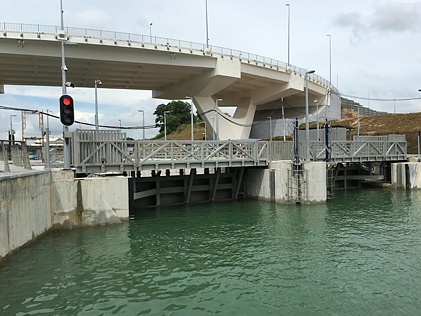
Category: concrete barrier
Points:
column 33, row 202
column 279, row 184
column 25, row 209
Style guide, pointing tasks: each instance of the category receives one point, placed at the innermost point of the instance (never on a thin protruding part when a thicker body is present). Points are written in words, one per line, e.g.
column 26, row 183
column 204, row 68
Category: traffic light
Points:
column 67, row 110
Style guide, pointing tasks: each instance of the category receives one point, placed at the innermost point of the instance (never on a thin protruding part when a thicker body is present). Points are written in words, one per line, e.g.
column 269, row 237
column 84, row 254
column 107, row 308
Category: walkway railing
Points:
column 91, row 154
column 100, row 35
column 96, row 152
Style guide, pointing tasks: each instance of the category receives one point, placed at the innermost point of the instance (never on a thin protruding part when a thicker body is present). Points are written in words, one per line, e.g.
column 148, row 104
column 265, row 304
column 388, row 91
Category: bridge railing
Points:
column 162, row 41
column 94, row 152
column 108, row 151
column 362, row 148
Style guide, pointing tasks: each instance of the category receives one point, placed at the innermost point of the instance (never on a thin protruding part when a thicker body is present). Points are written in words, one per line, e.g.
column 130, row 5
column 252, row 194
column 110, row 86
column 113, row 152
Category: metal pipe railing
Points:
column 163, row 41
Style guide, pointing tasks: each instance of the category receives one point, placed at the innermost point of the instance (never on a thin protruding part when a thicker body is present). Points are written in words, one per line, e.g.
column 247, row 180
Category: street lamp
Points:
column 307, row 150
column 330, row 61
column 143, row 122
column 11, row 127
column 120, row 124
column 207, row 27
column 165, row 124
column 150, row 31
column 191, row 118
column 317, row 117
column 283, row 118
column 270, row 127
column 289, row 29
column 66, row 146
column 217, row 119
column 206, row 136
column 97, row 82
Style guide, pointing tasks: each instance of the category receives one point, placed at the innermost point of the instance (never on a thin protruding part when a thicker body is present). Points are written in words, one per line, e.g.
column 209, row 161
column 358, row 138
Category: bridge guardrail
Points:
column 95, row 151
column 164, row 41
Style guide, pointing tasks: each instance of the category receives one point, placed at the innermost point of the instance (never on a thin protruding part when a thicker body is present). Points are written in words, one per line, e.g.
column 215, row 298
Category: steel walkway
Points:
column 108, row 151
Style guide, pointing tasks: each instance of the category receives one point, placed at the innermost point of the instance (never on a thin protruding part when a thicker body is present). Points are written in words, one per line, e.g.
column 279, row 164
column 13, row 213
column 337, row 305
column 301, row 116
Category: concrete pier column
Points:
column 406, row 175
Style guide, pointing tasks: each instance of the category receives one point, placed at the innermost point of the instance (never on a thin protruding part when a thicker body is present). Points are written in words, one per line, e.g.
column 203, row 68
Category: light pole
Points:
column 270, row 127
column 165, row 124
column 120, row 124
column 217, row 118
column 358, row 119
column 307, row 150
column 191, row 118
column 207, row 26
column 317, row 118
column 289, row 30
column 47, row 144
column 283, row 119
column 206, row 136
column 143, row 123
column 330, row 61
column 97, row 82
column 66, row 148
column 11, row 127
column 150, row 31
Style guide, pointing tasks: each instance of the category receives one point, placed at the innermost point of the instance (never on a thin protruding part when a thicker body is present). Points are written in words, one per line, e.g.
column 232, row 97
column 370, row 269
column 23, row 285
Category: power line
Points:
column 378, row 99
column 9, row 108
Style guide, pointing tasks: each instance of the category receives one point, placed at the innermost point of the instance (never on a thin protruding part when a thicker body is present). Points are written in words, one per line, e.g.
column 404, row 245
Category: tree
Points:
column 178, row 113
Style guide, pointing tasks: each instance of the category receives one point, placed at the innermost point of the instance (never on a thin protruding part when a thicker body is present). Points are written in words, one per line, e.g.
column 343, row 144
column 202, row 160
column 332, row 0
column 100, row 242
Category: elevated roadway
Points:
column 171, row 69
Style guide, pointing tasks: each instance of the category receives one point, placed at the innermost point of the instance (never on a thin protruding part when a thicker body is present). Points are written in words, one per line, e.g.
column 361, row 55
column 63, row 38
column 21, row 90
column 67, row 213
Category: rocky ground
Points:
column 408, row 124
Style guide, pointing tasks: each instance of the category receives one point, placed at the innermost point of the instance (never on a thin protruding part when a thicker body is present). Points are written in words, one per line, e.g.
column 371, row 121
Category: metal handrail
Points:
column 164, row 41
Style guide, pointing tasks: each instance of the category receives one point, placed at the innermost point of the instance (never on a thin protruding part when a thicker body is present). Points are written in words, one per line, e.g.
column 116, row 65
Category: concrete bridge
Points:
column 212, row 76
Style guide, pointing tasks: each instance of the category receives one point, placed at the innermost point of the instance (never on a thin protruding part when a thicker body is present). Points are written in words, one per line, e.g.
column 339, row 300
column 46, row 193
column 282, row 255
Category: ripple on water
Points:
column 359, row 254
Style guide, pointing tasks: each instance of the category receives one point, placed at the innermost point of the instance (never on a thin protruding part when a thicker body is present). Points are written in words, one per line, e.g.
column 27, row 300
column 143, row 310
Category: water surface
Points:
column 358, row 255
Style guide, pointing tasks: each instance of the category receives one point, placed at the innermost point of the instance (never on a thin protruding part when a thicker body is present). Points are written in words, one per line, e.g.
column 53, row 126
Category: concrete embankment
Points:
column 33, row 202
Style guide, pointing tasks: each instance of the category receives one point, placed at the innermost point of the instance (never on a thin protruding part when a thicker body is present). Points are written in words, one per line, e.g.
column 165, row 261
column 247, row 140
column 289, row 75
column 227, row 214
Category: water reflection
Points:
column 359, row 254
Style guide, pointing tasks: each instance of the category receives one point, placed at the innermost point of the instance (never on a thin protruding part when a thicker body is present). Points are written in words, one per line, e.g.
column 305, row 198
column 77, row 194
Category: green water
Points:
column 358, row 255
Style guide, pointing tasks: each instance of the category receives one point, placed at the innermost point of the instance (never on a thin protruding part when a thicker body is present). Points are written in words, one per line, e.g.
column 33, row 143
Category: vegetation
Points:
column 177, row 114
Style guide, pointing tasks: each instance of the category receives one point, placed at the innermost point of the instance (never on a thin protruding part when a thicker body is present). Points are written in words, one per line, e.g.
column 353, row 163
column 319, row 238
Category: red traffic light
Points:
column 67, row 111
column 67, row 100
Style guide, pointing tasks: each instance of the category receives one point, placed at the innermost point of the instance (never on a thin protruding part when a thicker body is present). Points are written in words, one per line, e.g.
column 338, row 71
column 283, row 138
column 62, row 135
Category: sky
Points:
column 372, row 53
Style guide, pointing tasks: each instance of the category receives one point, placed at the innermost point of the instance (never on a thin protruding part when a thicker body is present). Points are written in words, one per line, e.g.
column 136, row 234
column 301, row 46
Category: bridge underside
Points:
column 170, row 72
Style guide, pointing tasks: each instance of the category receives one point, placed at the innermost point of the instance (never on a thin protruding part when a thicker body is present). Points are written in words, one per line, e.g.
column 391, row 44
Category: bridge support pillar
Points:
column 277, row 185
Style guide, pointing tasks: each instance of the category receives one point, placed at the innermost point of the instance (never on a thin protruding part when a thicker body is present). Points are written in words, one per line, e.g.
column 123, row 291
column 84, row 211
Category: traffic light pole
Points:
column 66, row 145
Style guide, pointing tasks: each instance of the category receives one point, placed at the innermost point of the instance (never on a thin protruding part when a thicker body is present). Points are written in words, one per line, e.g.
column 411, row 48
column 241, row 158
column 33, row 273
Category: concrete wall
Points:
column 316, row 181
column 406, row 175
column 33, row 202
column 25, row 209
column 273, row 184
column 89, row 201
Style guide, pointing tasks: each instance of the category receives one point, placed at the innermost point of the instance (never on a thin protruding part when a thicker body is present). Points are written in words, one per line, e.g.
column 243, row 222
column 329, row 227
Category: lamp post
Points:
column 289, row 29
column 358, row 119
column 191, row 118
column 47, row 144
column 97, row 82
column 207, row 26
column 283, row 119
column 11, row 127
column 270, row 127
column 330, row 61
column 206, row 136
column 307, row 149
column 66, row 146
column 143, row 123
column 317, row 118
column 150, row 31
column 165, row 124
column 217, row 119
